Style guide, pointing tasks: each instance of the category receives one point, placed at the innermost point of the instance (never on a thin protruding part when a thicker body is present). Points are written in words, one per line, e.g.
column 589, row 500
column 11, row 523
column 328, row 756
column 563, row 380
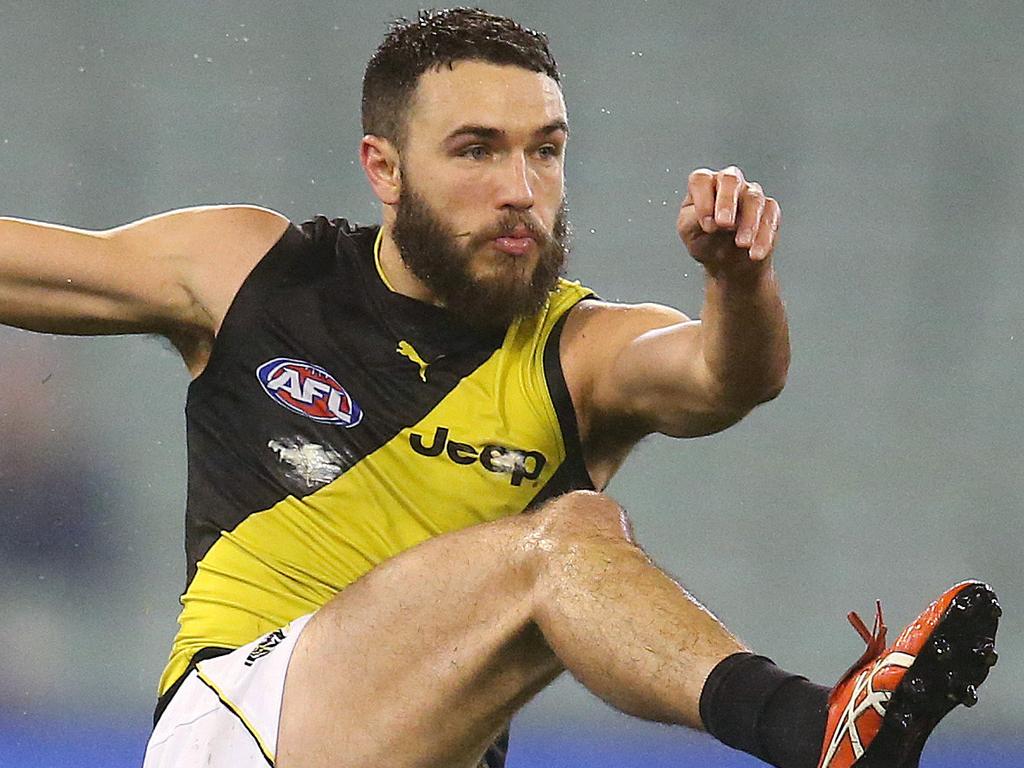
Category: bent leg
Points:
column 423, row 661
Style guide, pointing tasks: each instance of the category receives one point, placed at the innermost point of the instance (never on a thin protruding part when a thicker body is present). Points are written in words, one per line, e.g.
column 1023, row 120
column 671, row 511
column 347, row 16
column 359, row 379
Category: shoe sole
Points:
column 953, row 662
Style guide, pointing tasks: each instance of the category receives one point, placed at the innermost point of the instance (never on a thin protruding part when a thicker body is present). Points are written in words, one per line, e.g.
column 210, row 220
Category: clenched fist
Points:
column 726, row 222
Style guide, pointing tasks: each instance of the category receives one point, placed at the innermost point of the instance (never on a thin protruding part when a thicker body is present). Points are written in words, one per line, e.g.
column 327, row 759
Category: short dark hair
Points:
column 436, row 39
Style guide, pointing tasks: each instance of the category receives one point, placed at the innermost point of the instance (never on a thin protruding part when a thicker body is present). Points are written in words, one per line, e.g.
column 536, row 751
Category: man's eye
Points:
column 476, row 152
column 549, row 151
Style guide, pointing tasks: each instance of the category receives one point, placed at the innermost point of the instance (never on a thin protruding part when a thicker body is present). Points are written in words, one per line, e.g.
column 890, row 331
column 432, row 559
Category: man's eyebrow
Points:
column 487, row 132
column 555, row 125
column 477, row 131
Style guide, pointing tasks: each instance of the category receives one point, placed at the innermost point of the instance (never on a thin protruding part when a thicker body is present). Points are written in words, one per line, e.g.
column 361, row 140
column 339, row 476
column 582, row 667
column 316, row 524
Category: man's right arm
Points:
column 174, row 274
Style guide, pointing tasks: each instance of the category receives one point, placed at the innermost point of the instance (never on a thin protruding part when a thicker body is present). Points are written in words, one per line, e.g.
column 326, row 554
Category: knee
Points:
column 580, row 519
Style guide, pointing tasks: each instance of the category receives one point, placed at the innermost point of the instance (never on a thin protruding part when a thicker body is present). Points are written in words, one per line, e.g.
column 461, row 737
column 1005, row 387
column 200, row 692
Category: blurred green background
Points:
column 893, row 136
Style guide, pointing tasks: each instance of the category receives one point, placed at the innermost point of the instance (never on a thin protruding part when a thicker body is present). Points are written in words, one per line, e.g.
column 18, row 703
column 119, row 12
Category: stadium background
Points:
column 890, row 467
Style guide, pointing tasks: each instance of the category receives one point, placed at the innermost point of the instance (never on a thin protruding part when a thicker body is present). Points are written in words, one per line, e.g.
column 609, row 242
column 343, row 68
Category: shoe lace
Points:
column 875, row 639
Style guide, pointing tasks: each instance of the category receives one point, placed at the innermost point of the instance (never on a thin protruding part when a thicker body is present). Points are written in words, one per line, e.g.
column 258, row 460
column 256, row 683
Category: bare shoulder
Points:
column 614, row 325
column 220, row 227
column 213, row 248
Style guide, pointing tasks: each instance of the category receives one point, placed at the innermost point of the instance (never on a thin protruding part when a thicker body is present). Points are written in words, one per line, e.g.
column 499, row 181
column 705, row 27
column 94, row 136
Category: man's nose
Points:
column 515, row 185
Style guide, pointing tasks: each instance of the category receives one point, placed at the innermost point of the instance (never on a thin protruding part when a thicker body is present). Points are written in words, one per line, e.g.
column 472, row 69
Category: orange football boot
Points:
column 883, row 709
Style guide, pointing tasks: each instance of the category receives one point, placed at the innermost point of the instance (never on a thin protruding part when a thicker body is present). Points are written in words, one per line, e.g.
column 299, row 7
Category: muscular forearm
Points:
column 745, row 337
column 730, row 226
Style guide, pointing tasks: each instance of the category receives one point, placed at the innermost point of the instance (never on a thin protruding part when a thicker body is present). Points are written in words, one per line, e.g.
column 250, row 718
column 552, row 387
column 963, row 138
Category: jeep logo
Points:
column 521, row 465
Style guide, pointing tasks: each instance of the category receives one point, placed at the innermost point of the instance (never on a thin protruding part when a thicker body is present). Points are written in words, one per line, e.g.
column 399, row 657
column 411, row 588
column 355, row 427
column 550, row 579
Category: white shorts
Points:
column 226, row 712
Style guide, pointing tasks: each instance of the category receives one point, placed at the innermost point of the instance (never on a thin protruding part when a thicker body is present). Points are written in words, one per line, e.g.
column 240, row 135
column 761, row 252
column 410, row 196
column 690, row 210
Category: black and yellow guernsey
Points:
column 339, row 423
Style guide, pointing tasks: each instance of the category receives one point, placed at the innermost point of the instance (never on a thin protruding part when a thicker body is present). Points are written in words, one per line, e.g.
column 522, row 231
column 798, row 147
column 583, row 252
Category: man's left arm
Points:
column 652, row 369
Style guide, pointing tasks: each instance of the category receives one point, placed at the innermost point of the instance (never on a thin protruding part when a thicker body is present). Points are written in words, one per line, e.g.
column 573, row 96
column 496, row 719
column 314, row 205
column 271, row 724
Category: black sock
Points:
column 750, row 704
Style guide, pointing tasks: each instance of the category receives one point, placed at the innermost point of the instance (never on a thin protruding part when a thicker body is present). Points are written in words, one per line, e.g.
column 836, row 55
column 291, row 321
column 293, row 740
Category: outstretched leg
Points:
column 423, row 661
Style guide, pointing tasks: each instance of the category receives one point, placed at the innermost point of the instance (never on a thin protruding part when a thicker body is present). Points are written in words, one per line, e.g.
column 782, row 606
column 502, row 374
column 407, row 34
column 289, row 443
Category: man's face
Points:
column 481, row 218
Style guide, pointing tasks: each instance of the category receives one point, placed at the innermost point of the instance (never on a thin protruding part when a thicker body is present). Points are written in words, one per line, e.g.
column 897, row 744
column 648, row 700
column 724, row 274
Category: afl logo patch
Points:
column 310, row 390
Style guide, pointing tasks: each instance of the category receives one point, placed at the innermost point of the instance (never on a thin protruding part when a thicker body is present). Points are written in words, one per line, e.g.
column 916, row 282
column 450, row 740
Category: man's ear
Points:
column 380, row 161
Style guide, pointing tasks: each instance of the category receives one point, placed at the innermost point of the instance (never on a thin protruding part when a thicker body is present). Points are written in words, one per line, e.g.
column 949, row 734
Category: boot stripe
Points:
column 872, row 699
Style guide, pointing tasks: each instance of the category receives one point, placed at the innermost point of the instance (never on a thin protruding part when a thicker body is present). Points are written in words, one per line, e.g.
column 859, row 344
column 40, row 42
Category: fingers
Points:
column 700, row 192
column 752, row 204
column 726, row 201
column 716, row 196
column 767, row 232
column 729, row 183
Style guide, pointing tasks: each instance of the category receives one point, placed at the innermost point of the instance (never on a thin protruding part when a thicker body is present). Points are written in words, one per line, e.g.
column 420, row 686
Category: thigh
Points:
column 422, row 661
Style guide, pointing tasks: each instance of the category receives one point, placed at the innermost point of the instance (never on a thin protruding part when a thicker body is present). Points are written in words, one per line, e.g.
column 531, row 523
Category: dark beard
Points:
column 433, row 252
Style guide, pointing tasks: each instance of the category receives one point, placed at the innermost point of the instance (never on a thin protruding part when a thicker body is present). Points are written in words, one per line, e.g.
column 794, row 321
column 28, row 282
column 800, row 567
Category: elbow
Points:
column 773, row 378
column 768, row 395
column 772, row 387
column 741, row 397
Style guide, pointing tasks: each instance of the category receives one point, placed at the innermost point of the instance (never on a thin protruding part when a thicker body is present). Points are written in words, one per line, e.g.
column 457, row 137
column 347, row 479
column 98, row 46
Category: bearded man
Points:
column 398, row 436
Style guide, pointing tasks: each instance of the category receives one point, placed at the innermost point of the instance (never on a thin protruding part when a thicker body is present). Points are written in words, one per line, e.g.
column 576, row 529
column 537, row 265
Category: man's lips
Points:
column 516, row 246
column 516, row 241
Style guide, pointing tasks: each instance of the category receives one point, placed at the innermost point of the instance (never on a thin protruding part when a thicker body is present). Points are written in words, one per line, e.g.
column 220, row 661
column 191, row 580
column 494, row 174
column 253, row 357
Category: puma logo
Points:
column 405, row 349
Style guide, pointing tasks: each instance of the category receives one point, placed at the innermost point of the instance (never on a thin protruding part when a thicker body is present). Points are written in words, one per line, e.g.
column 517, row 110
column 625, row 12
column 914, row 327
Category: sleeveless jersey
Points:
column 338, row 423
